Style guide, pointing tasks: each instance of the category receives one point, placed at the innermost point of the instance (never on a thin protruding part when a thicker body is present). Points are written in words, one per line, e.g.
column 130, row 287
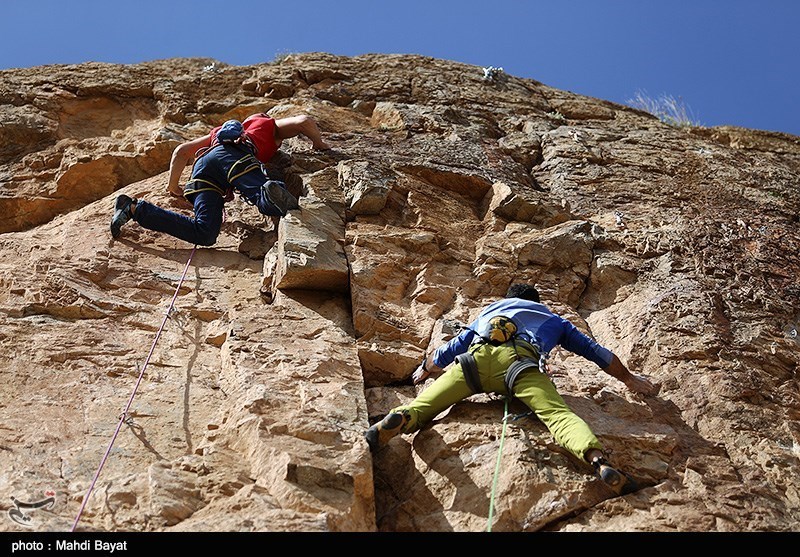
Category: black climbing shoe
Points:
column 379, row 434
column 280, row 197
column 122, row 214
column 619, row 482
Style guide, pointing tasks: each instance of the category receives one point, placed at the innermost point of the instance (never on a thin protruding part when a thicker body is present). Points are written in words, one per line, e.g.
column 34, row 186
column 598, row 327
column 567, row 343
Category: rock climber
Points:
column 219, row 169
column 504, row 351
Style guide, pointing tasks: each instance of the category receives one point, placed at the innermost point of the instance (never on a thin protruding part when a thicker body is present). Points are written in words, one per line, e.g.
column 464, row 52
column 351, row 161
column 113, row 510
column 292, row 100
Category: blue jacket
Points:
column 535, row 323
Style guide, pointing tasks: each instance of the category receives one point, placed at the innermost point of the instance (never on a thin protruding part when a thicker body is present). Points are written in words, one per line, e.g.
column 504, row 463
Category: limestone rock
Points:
column 365, row 186
column 676, row 248
column 309, row 252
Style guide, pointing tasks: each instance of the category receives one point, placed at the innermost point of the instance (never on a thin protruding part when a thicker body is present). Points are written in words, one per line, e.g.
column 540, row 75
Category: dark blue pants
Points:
column 215, row 166
column 202, row 230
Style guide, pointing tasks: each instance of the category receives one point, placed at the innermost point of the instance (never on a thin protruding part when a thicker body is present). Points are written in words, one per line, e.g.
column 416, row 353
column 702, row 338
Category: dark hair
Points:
column 524, row 291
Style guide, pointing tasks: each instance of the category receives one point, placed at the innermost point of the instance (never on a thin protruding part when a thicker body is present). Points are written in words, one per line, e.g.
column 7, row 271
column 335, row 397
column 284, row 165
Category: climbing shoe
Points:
column 379, row 434
column 619, row 482
column 122, row 214
column 279, row 196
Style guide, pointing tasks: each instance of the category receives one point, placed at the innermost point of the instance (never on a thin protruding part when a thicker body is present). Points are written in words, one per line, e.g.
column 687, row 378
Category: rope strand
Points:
column 124, row 416
column 497, row 466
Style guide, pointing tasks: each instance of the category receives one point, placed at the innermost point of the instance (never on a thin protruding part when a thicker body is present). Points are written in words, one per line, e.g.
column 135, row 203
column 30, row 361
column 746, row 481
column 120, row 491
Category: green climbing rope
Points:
column 497, row 467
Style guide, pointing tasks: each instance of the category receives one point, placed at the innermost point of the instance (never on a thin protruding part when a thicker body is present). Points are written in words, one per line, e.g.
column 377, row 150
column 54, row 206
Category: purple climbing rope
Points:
column 124, row 416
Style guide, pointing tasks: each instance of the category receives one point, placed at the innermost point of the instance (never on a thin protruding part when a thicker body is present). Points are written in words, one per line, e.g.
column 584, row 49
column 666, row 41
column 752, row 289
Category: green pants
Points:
column 532, row 387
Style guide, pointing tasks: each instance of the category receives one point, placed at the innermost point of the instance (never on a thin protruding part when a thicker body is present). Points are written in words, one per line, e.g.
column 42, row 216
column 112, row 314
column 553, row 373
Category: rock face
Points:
column 676, row 248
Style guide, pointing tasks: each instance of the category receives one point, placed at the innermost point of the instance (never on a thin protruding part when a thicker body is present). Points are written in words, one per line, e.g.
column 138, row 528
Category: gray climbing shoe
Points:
column 379, row 434
column 619, row 482
column 122, row 214
column 279, row 196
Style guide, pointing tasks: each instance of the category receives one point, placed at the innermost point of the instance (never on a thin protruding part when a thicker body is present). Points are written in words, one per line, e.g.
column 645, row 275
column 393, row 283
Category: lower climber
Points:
column 502, row 351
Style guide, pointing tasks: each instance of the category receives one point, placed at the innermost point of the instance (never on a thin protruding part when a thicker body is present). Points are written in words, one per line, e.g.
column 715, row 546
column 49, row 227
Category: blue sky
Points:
column 731, row 62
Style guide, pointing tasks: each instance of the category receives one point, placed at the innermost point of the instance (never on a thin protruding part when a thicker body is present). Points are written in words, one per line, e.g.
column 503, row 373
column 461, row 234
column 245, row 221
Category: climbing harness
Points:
column 238, row 169
column 125, row 416
column 230, row 133
column 469, row 368
column 241, row 167
column 515, row 369
column 501, row 330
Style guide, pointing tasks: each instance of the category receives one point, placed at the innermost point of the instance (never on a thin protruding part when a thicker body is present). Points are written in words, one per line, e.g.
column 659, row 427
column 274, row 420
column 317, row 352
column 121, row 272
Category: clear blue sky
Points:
column 731, row 62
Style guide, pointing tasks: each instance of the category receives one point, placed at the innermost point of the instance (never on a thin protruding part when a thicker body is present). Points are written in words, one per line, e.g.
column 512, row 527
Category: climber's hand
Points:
column 420, row 374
